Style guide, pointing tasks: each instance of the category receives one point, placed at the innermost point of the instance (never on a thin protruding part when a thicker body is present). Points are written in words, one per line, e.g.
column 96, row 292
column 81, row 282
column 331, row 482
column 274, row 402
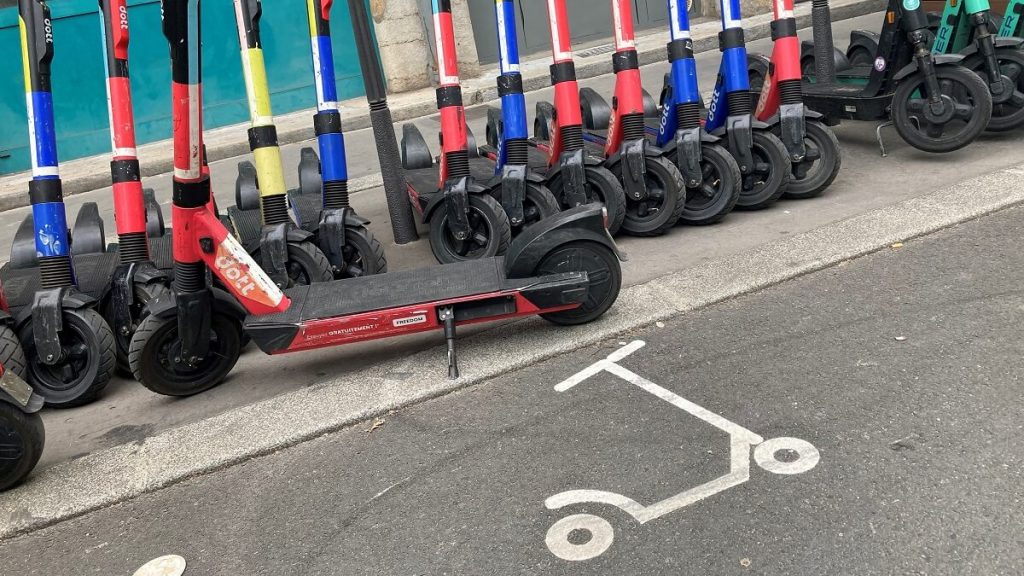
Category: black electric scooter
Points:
column 935, row 104
column 21, row 428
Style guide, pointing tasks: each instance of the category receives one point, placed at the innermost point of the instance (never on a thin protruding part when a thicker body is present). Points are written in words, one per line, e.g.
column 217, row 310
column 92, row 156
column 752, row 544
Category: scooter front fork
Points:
column 574, row 178
column 513, row 180
column 633, row 156
column 456, row 201
column 741, row 137
column 987, row 48
column 926, row 65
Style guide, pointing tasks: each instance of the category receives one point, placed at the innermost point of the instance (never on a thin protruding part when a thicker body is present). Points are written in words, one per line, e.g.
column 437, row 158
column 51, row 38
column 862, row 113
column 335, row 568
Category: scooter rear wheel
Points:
column 89, row 358
column 1008, row 114
column 665, row 202
column 961, row 89
column 768, row 180
column 603, row 271
column 824, row 158
column 490, row 232
column 602, row 186
column 21, row 444
column 719, row 191
column 154, row 364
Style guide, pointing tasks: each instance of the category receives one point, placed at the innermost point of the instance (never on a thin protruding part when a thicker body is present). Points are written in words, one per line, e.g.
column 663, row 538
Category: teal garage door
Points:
column 78, row 78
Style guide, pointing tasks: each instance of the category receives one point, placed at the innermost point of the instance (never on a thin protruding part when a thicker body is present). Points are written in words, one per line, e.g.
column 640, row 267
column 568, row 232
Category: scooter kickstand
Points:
column 878, row 136
column 447, row 316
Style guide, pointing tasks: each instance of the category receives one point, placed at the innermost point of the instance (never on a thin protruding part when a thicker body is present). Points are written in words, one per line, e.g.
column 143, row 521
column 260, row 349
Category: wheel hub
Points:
column 940, row 112
column 1002, row 90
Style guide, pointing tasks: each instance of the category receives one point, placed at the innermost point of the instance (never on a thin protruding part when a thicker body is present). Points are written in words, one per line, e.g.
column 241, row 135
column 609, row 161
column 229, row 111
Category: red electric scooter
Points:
column 564, row 268
column 775, row 85
column 654, row 189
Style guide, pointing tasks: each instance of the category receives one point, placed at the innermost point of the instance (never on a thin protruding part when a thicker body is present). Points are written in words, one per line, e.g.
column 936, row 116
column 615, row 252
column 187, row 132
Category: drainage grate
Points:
column 596, row 51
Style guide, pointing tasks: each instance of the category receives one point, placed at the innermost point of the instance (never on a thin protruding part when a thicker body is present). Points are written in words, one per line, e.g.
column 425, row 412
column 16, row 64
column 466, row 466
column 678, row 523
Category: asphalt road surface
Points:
column 861, row 420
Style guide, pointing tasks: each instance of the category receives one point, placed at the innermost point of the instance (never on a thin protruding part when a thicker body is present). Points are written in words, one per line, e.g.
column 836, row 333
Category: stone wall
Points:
column 402, row 42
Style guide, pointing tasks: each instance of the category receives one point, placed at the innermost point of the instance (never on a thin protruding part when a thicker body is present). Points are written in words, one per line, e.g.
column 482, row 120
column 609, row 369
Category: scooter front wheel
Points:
column 665, row 201
column 769, row 177
column 155, row 361
column 306, row 264
column 964, row 114
column 602, row 186
column 538, row 205
column 88, row 360
column 604, row 274
column 819, row 167
column 719, row 190
column 1007, row 109
column 21, row 444
column 144, row 294
column 363, row 254
column 490, row 232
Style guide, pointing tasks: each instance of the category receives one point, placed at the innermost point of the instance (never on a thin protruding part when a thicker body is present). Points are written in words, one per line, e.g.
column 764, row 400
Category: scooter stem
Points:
column 262, row 133
column 567, row 128
column 45, row 191
column 327, row 120
column 129, row 203
column 513, row 148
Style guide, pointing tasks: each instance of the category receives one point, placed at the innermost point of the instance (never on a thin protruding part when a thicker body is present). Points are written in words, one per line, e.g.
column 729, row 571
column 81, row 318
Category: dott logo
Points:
column 232, row 270
column 47, row 31
column 123, row 13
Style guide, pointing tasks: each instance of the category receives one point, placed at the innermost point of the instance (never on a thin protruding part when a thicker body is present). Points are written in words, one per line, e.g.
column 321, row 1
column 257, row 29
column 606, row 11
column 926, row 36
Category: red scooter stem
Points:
column 629, row 98
column 449, row 94
column 785, row 64
column 563, row 78
column 129, row 204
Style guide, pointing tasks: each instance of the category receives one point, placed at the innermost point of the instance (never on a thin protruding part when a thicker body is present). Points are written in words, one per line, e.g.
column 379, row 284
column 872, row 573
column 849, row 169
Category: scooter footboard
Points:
column 582, row 223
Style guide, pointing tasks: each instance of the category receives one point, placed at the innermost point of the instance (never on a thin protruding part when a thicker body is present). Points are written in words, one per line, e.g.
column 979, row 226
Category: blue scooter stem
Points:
column 683, row 75
column 732, row 75
column 510, row 83
column 45, row 193
column 327, row 121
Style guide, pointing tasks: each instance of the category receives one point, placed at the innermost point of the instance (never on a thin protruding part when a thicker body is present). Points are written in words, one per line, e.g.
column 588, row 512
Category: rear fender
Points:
column 999, row 41
column 533, row 244
column 166, row 306
column 939, row 59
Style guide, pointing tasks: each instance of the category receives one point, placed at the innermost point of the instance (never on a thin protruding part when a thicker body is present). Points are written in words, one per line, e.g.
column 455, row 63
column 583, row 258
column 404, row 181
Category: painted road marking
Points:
column 741, row 442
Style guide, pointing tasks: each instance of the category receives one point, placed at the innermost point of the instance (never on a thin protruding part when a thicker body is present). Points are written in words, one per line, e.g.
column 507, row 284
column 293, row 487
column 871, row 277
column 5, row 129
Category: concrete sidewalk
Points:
column 86, row 174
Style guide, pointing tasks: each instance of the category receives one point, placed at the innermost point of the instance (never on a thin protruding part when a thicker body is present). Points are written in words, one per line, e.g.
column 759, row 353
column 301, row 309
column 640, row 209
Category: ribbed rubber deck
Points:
column 307, row 207
column 391, row 290
column 247, row 224
column 93, row 272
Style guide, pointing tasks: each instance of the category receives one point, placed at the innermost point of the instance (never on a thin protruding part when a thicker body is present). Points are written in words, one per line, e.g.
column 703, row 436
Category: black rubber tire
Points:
column 823, row 170
column 491, row 230
column 12, row 355
column 151, row 355
column 964, row 88
column 718, row 193
column 603, row 187
column 88, row 343
column 144, row 294
column 306, row 264
column 1006, row 115
column 22, row 438
column 603, row 269
column 539, row 204
column 666, row 192
column 860, row 56
column 364, row 256
column 768, row 181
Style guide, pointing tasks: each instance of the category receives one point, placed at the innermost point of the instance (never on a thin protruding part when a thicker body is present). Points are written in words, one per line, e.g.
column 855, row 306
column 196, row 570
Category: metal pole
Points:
column 395, row 187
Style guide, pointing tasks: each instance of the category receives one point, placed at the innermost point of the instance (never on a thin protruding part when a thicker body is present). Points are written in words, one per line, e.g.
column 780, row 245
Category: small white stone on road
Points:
column 170, row 565
column 659, row 324
column 901, row 338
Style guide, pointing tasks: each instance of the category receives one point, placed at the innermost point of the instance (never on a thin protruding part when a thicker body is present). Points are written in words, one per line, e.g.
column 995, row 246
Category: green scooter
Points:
column 966, row 28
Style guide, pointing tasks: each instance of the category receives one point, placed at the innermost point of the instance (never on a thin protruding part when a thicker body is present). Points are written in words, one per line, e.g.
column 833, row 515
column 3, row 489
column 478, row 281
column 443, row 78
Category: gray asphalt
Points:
column 128, row 413
column 902, row 369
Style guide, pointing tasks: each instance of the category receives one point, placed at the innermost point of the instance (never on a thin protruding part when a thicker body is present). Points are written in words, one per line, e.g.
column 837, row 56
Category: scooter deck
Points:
column 425, row 180
column 846, row 101
column 93, row 272
column 368, row 307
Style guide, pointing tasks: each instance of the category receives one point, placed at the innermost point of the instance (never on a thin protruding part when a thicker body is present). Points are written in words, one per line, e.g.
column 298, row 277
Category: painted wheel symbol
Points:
column 601, row 537
column 767, row 453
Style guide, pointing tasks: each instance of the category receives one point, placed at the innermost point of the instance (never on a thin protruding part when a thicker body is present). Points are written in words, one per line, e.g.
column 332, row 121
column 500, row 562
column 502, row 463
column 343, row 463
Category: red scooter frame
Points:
column 564, row 267
column 629, row 94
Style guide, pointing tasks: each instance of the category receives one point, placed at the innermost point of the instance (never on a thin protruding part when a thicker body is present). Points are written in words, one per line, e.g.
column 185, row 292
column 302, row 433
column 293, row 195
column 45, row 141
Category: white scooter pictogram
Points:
column 741, row 442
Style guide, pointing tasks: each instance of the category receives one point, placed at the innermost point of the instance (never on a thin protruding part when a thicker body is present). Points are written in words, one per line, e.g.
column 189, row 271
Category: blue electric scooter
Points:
column 762, row 157
column 68, row 345
column 709, row 171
